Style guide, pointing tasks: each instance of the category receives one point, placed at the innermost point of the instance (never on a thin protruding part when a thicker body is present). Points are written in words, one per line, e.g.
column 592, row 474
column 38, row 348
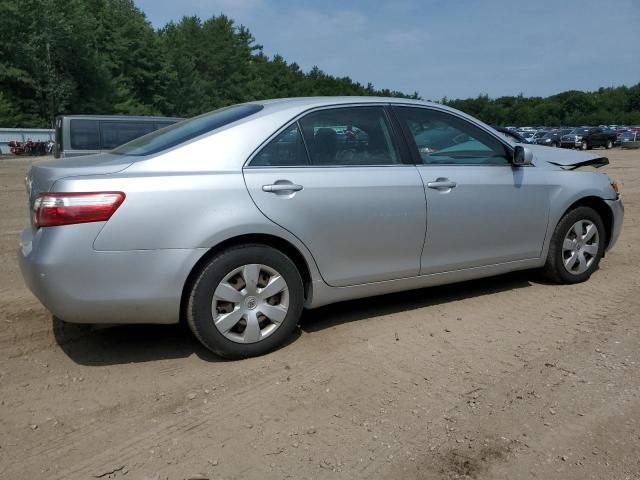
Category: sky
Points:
column 452, row 48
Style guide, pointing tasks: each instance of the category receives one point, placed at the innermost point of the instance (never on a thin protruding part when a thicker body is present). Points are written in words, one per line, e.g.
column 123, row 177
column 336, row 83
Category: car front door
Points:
column 336, row 180
column 481, row 209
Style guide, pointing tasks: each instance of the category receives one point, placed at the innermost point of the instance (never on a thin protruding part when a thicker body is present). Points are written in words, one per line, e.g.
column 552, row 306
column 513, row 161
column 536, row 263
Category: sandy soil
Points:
column 501, row 378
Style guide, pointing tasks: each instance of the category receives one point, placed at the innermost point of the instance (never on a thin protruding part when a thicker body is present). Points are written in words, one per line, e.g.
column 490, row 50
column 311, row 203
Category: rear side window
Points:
column 349, row 136
column 84, row 134
column 186, row 130
column 115, row 133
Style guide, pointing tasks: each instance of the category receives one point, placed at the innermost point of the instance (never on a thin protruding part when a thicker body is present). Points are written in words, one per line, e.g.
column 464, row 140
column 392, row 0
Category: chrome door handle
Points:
column 281, row 187
column 441, row 184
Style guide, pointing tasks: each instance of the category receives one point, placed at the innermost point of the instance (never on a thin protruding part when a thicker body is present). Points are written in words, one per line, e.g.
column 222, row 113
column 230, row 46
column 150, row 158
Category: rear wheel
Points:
column 246, row 301
column 576, row 246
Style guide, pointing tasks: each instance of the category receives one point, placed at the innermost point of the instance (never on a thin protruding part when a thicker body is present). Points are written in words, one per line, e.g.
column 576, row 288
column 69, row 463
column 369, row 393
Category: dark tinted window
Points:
column 286, row 150
column 442, row 138
column 349, row 136
column 115, row 133
column 84, row 134
column 186, row 130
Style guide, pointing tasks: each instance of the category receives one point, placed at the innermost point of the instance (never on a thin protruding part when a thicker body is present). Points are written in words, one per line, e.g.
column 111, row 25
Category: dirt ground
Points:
column 501, row 378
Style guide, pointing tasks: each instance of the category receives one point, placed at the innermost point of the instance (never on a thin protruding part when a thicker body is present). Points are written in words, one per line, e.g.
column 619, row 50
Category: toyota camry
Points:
column 237, row 220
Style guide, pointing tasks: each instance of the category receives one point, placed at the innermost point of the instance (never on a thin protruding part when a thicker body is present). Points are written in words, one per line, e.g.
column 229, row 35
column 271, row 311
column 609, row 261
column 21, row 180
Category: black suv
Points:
column 586, row 138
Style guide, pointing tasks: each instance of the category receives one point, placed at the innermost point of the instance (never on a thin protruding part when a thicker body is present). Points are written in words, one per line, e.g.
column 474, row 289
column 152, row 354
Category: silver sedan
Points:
column 238, row 219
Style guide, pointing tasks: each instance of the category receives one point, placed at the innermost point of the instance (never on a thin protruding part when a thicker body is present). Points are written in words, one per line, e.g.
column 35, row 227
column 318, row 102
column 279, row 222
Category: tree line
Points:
column 104, row 57
column 605, row 106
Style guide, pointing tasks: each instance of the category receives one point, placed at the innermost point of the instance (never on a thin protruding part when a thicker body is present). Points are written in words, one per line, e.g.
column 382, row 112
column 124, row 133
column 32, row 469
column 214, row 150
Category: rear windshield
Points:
column 181, row 132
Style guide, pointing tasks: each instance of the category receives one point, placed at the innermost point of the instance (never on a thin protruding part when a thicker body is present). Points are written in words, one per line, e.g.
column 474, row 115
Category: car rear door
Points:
column 481, row 210
column 336, row 180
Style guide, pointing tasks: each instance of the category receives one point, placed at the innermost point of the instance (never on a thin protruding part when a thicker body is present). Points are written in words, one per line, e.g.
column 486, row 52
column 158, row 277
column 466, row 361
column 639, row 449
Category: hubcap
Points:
column 250, row 303
column 580, row 247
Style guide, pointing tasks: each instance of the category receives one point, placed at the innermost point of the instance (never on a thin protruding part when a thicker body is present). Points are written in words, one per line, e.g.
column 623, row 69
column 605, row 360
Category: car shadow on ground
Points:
column 96, row 345
column 362, row 309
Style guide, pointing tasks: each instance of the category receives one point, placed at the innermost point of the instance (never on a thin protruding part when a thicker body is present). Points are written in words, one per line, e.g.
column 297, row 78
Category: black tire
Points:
column 554, row 268
column 199, row 314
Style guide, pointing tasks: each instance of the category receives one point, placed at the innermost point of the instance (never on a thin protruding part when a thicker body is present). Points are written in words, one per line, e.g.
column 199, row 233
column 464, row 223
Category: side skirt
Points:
column 324, row 294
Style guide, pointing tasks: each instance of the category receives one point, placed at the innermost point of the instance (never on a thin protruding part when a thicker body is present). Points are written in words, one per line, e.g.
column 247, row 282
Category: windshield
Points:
column 181, row 132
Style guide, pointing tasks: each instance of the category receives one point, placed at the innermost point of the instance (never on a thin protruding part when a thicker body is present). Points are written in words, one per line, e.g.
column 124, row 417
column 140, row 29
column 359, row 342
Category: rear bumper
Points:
column 81, row 285
column 617, row 208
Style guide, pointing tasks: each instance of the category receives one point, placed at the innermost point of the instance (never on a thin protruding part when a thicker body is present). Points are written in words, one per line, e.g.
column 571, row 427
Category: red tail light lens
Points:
column 55, row 209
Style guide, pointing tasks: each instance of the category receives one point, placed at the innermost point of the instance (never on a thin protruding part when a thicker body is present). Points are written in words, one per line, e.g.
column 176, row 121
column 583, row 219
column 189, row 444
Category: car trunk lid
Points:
column 44, row 174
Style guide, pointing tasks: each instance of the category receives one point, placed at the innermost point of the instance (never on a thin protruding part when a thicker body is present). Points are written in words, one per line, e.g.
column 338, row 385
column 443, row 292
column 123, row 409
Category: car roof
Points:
column 299, row 105
column 314, row 102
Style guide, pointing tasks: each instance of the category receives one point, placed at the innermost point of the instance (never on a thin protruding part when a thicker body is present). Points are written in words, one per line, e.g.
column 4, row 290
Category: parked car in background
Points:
column 549, row 139
column 88, row 134
column 586, row 138
column 511, row 134
column 630, row 140
column 538, row 134
column 528, row 135
column 238, row 219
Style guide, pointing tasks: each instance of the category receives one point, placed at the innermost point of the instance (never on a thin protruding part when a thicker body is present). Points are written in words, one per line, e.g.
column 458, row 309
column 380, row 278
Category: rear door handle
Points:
column 281, row 187
column 441, row 184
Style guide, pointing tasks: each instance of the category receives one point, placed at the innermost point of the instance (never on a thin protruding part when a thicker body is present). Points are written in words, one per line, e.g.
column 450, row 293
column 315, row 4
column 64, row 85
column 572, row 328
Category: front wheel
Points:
column 246, row 301
column 609, row 145
column 584, row 145
column 576, row 246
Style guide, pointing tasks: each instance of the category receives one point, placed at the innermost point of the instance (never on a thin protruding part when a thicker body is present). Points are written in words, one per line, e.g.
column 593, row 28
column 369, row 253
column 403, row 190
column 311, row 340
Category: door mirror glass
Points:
column 522, row 156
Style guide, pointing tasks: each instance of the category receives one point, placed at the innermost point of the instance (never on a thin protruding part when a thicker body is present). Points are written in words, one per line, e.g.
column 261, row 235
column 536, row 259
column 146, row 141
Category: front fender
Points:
column 571, row 187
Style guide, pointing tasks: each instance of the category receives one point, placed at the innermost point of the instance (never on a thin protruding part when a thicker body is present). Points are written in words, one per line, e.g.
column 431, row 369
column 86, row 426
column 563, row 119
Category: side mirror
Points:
column 522, row 156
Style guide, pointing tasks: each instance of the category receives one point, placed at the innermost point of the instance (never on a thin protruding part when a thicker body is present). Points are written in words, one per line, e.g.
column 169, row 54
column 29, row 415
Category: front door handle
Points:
column 442, row 184
column 281, row 188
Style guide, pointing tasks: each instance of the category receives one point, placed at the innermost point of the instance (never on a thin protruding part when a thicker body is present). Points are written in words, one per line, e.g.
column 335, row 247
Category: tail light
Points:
column 55, row 209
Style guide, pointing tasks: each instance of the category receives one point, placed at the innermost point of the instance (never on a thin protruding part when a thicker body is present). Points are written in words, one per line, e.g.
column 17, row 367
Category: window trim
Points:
column 404, row 154
column 413, row 147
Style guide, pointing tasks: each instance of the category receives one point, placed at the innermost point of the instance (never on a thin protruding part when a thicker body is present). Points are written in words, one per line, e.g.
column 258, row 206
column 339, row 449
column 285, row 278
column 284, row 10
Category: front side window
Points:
column 442, row 138
column 84, row 134
column 186, row 130
column 286, row 150
column 349, row 136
